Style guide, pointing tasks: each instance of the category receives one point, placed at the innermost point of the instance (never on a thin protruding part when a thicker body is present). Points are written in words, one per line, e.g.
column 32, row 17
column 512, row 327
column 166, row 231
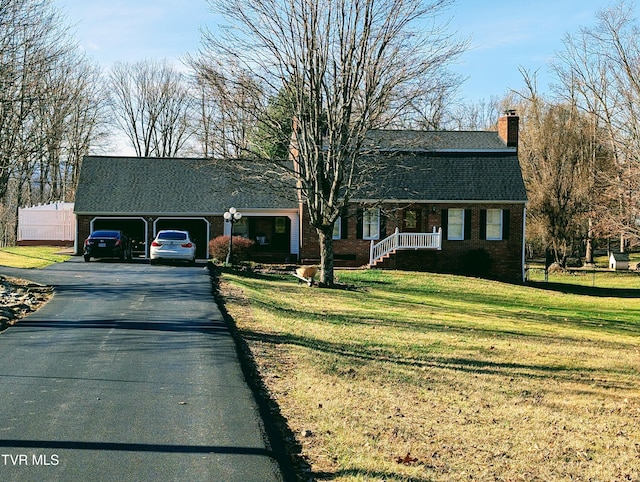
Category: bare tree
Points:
column 42, row 95
column 151, row 104
column 559, row 156
column 347, row 66
column 226, row 109
column 599, row 66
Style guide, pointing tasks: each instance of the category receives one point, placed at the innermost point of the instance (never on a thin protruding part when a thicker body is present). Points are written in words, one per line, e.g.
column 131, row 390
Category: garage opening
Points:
column 198, row 230
column 135, row 228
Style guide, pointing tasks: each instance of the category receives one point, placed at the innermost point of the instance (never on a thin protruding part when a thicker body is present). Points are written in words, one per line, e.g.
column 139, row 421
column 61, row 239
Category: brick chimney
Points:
column 508, row 126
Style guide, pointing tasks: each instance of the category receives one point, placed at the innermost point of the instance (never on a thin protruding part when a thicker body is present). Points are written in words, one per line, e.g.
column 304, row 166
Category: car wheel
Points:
column 87, row 258
column 192, row 262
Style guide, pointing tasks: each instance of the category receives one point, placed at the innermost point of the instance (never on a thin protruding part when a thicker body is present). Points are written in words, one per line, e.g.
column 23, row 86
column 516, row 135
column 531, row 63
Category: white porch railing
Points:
column 400, row 240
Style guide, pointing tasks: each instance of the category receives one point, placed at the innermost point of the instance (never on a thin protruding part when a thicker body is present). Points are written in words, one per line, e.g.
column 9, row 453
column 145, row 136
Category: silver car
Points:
column 172, row 244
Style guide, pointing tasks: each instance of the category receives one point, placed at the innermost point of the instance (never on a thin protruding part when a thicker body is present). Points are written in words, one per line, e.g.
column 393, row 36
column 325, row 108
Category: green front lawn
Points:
column 31, row 256
column 426, row 377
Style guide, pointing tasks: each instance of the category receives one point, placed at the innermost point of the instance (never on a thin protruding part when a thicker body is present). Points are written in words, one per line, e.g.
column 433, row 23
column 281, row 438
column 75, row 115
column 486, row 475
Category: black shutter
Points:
column 483, row 224
column 359, row 223
column 344, row 226
column 506, row 223
column 444, row 221
column 467, row 224
column 383, row 225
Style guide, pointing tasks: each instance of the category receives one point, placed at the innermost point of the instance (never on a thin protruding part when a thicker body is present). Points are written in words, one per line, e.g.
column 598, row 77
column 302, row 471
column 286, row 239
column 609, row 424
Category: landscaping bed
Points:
column 18, row 298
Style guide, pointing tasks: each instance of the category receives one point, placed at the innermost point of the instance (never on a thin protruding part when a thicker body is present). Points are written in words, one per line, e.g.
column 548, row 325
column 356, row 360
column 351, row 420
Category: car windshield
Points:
column 173, row 236
column 105, row 234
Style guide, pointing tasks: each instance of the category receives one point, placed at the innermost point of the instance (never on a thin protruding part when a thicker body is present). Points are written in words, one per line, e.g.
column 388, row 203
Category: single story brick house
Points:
column 441, row 201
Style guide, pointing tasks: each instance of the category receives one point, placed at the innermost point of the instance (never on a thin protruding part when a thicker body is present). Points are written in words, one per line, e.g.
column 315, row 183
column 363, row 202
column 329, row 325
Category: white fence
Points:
column 48, row 222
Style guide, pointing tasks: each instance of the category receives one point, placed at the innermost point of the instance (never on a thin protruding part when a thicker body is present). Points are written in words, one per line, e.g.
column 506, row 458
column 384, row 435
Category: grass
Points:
column 426, row 377
column 31, row 256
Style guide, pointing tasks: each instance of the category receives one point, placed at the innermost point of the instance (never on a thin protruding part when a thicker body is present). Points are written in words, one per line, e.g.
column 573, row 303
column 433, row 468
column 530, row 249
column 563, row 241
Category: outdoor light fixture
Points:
column 231, row 216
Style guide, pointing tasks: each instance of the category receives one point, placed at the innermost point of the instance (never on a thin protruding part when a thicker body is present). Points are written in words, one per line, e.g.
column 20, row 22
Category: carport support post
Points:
column 231, row 216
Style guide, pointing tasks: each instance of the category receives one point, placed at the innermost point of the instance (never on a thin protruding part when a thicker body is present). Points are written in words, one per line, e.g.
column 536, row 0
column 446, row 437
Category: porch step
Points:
column 382, row 259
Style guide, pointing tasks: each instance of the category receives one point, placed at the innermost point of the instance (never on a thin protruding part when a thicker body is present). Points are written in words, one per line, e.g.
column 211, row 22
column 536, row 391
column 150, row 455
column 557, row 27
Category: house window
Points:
column 455, row 225
column 371, row 224
column 281, row 225
column 411, row 219
column 494, row 224
column 337, row 229
column 240, row 228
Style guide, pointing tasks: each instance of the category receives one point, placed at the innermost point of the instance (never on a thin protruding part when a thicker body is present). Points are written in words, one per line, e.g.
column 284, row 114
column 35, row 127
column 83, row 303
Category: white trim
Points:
column 504, row 150
column 294, row 239
column 438, row 201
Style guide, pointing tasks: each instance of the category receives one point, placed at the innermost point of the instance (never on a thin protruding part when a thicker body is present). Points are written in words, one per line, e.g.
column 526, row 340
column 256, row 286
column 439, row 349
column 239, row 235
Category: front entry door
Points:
column 412, row 221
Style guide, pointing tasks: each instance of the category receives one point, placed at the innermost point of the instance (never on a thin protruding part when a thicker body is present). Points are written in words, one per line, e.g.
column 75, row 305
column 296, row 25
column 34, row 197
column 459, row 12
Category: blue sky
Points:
column 504, row 34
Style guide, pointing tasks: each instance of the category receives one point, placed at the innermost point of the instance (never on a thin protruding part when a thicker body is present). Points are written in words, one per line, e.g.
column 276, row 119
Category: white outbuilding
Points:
column 618, row 261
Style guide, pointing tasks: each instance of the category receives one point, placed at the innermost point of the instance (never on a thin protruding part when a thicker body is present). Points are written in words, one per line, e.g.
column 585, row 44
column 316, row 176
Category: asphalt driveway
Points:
column 129, row 373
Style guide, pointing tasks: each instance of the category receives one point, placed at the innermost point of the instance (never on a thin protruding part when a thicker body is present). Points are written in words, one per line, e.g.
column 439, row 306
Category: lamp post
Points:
column 231, row 216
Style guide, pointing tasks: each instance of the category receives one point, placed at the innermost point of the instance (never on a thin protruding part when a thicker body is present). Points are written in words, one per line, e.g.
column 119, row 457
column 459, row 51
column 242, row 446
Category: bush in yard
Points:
column 476, row 262
column 241, row 249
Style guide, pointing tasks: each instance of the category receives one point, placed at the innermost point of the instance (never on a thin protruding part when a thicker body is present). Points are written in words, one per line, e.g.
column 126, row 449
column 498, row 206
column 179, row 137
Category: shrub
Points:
column 219, row 247
column 476, row 262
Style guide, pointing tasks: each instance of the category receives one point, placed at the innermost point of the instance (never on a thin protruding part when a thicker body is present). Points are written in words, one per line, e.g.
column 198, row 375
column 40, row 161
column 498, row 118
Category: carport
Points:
column 198, row 228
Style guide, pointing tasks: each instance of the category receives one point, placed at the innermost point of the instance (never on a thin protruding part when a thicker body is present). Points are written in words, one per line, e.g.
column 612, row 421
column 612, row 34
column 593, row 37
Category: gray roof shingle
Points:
column 134, row 185
column 417, row 141
column 428, row 166
column 447, row 176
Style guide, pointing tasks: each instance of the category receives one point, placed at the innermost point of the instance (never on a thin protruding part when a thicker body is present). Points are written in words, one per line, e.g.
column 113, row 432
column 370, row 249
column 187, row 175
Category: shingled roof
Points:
column 446, row 176
column 426, row 166
column 441, row 166
column 134, row 185
column 434, row 141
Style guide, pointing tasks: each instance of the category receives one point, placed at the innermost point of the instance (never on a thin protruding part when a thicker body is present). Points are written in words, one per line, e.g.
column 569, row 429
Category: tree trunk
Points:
column 588, row 257
column 326, row 256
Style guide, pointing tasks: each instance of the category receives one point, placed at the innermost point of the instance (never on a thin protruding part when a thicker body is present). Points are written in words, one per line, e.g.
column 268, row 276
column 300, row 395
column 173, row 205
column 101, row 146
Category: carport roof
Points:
column 144, row 185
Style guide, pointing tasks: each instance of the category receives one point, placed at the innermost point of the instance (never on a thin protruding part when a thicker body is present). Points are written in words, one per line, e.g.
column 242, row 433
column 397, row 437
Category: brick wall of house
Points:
column 348, row 252
column 494, row 259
